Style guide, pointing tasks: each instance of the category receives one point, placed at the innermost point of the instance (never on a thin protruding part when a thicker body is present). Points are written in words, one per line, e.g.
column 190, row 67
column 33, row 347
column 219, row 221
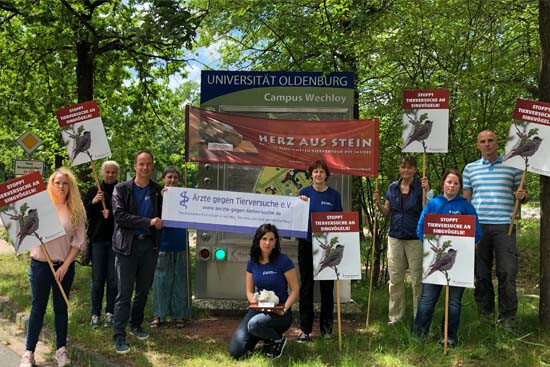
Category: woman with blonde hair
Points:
column 63, row 251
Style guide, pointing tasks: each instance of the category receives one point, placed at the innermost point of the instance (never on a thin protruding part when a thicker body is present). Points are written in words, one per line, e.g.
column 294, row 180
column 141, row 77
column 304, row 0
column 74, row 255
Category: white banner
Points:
column 231, row 211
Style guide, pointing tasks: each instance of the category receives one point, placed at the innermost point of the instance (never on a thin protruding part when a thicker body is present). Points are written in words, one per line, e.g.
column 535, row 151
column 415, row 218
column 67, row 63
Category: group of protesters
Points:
column 131, row 253
column 490, row 190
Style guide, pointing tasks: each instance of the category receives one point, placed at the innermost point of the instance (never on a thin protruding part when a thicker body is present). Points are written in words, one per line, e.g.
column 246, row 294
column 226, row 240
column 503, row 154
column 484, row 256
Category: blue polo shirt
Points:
column 326, row 201
column 492, row 185
column 271, row 276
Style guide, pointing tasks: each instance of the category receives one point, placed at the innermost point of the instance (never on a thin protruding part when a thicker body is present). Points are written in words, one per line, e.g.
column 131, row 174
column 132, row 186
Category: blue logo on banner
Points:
column 184, row 200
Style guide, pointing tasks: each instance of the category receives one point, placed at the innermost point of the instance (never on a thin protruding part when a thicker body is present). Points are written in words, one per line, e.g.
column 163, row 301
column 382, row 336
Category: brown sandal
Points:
column 155, row 323
column 180, row 324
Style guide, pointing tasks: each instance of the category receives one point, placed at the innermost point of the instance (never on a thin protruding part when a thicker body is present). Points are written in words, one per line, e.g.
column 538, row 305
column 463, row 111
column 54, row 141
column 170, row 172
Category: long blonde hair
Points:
column 73, row 201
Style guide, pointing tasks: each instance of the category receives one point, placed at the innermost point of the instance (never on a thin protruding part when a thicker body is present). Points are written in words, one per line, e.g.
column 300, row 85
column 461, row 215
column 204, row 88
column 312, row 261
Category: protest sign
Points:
column 83, row 132
column 425, row 121
column 231, row 211
column 335, row 241
column 28, row 213
column 347, row 146
column 449, row 249
column 528, row 145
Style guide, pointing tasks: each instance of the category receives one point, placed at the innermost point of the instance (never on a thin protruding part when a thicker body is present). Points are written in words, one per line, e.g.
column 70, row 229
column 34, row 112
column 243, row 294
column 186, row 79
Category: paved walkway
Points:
column 12, row 346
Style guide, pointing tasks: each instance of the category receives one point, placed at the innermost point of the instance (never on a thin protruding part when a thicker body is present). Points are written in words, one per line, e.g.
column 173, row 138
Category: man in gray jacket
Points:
column 137, row 206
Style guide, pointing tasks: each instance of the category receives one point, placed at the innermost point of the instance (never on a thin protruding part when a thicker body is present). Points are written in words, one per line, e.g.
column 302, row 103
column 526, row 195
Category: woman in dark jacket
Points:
column 403, row 205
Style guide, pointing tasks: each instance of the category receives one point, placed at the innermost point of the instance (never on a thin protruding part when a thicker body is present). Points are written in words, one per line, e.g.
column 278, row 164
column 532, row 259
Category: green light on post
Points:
column 220, row 254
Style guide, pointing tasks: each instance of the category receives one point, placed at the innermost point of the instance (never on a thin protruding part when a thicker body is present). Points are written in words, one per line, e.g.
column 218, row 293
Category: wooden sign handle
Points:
column 97, row 183
column 338, row 315
column 373, row 251
column 446, row 327
column 516, row 204
column 45, row 251
column 424, row 176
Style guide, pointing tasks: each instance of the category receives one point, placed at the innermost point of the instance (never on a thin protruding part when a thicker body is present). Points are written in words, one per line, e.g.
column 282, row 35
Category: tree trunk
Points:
column 544, row 95
column 85, row 69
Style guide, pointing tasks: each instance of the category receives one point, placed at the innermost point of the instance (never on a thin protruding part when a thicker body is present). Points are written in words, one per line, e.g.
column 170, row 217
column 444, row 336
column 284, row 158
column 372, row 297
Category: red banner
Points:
column 532, row 111
column 425, row 99
column 450, row 225
column 20, row 188
column 334, row 222
column 347, row 146
column 79, row 112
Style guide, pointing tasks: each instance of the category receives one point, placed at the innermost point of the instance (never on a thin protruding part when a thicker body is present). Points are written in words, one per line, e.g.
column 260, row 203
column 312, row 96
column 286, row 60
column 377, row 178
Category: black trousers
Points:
column 326, row 319
column 136, row 270
column 496, row 244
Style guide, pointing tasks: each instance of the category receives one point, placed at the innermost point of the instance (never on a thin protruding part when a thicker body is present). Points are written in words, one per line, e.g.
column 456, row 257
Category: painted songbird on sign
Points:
column 332, row 260
column 525, row 149
column 28, row 225
column 445, row 263
column 419, row 134
column 82, row 144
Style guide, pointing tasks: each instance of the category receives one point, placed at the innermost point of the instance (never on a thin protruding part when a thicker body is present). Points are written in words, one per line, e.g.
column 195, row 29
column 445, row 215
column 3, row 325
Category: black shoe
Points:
column 139, row 333
column 108, row 320
column 95, row 322
column 507, row 324
column 121, row 347
column 303, row 337
column 451, row 343
column 275, row 349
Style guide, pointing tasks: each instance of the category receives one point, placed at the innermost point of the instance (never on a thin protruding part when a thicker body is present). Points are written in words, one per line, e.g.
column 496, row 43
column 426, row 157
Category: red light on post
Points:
column 204, row 254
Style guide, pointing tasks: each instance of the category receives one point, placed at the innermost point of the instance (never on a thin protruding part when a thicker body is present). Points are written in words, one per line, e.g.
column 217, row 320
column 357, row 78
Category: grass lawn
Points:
column 481, row 344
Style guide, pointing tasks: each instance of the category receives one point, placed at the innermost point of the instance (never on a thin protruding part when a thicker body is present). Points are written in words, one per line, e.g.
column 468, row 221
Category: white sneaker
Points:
column 62, row 357
column 27, row 360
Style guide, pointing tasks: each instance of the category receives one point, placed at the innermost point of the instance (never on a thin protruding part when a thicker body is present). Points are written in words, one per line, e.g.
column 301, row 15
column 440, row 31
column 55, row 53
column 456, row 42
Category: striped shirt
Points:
column 492, row 185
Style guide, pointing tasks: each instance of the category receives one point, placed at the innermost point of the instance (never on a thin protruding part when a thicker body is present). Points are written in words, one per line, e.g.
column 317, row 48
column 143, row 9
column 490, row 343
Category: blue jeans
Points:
column 170, row 287
column 42, row 280
column 136, row 269
column 426, row 306
column 256, row 326
column 103, row 274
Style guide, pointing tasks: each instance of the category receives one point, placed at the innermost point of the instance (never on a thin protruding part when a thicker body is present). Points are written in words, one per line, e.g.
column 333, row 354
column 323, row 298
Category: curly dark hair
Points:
column 256, row 251
column 319, row 164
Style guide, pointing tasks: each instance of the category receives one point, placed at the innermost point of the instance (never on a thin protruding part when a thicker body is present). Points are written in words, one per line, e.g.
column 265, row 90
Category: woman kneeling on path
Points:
column 271, row 270
column 64, row 194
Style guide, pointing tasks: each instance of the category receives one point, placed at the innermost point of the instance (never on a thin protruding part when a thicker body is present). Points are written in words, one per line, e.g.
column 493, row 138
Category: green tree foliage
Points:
column 485, row 53
column 122, row 53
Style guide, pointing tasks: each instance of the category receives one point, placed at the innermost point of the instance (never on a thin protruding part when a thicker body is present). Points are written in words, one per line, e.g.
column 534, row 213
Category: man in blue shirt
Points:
column 137, row 206
column 492, row 189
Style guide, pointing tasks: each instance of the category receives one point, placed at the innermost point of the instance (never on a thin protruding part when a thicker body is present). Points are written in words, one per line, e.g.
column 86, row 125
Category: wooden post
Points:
column 372, row 252
column 187, row 250
column 424, row 176
column 516, row 205
column 96, row 179
column 338, row 315
column 446, row 327
column 45, row 251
